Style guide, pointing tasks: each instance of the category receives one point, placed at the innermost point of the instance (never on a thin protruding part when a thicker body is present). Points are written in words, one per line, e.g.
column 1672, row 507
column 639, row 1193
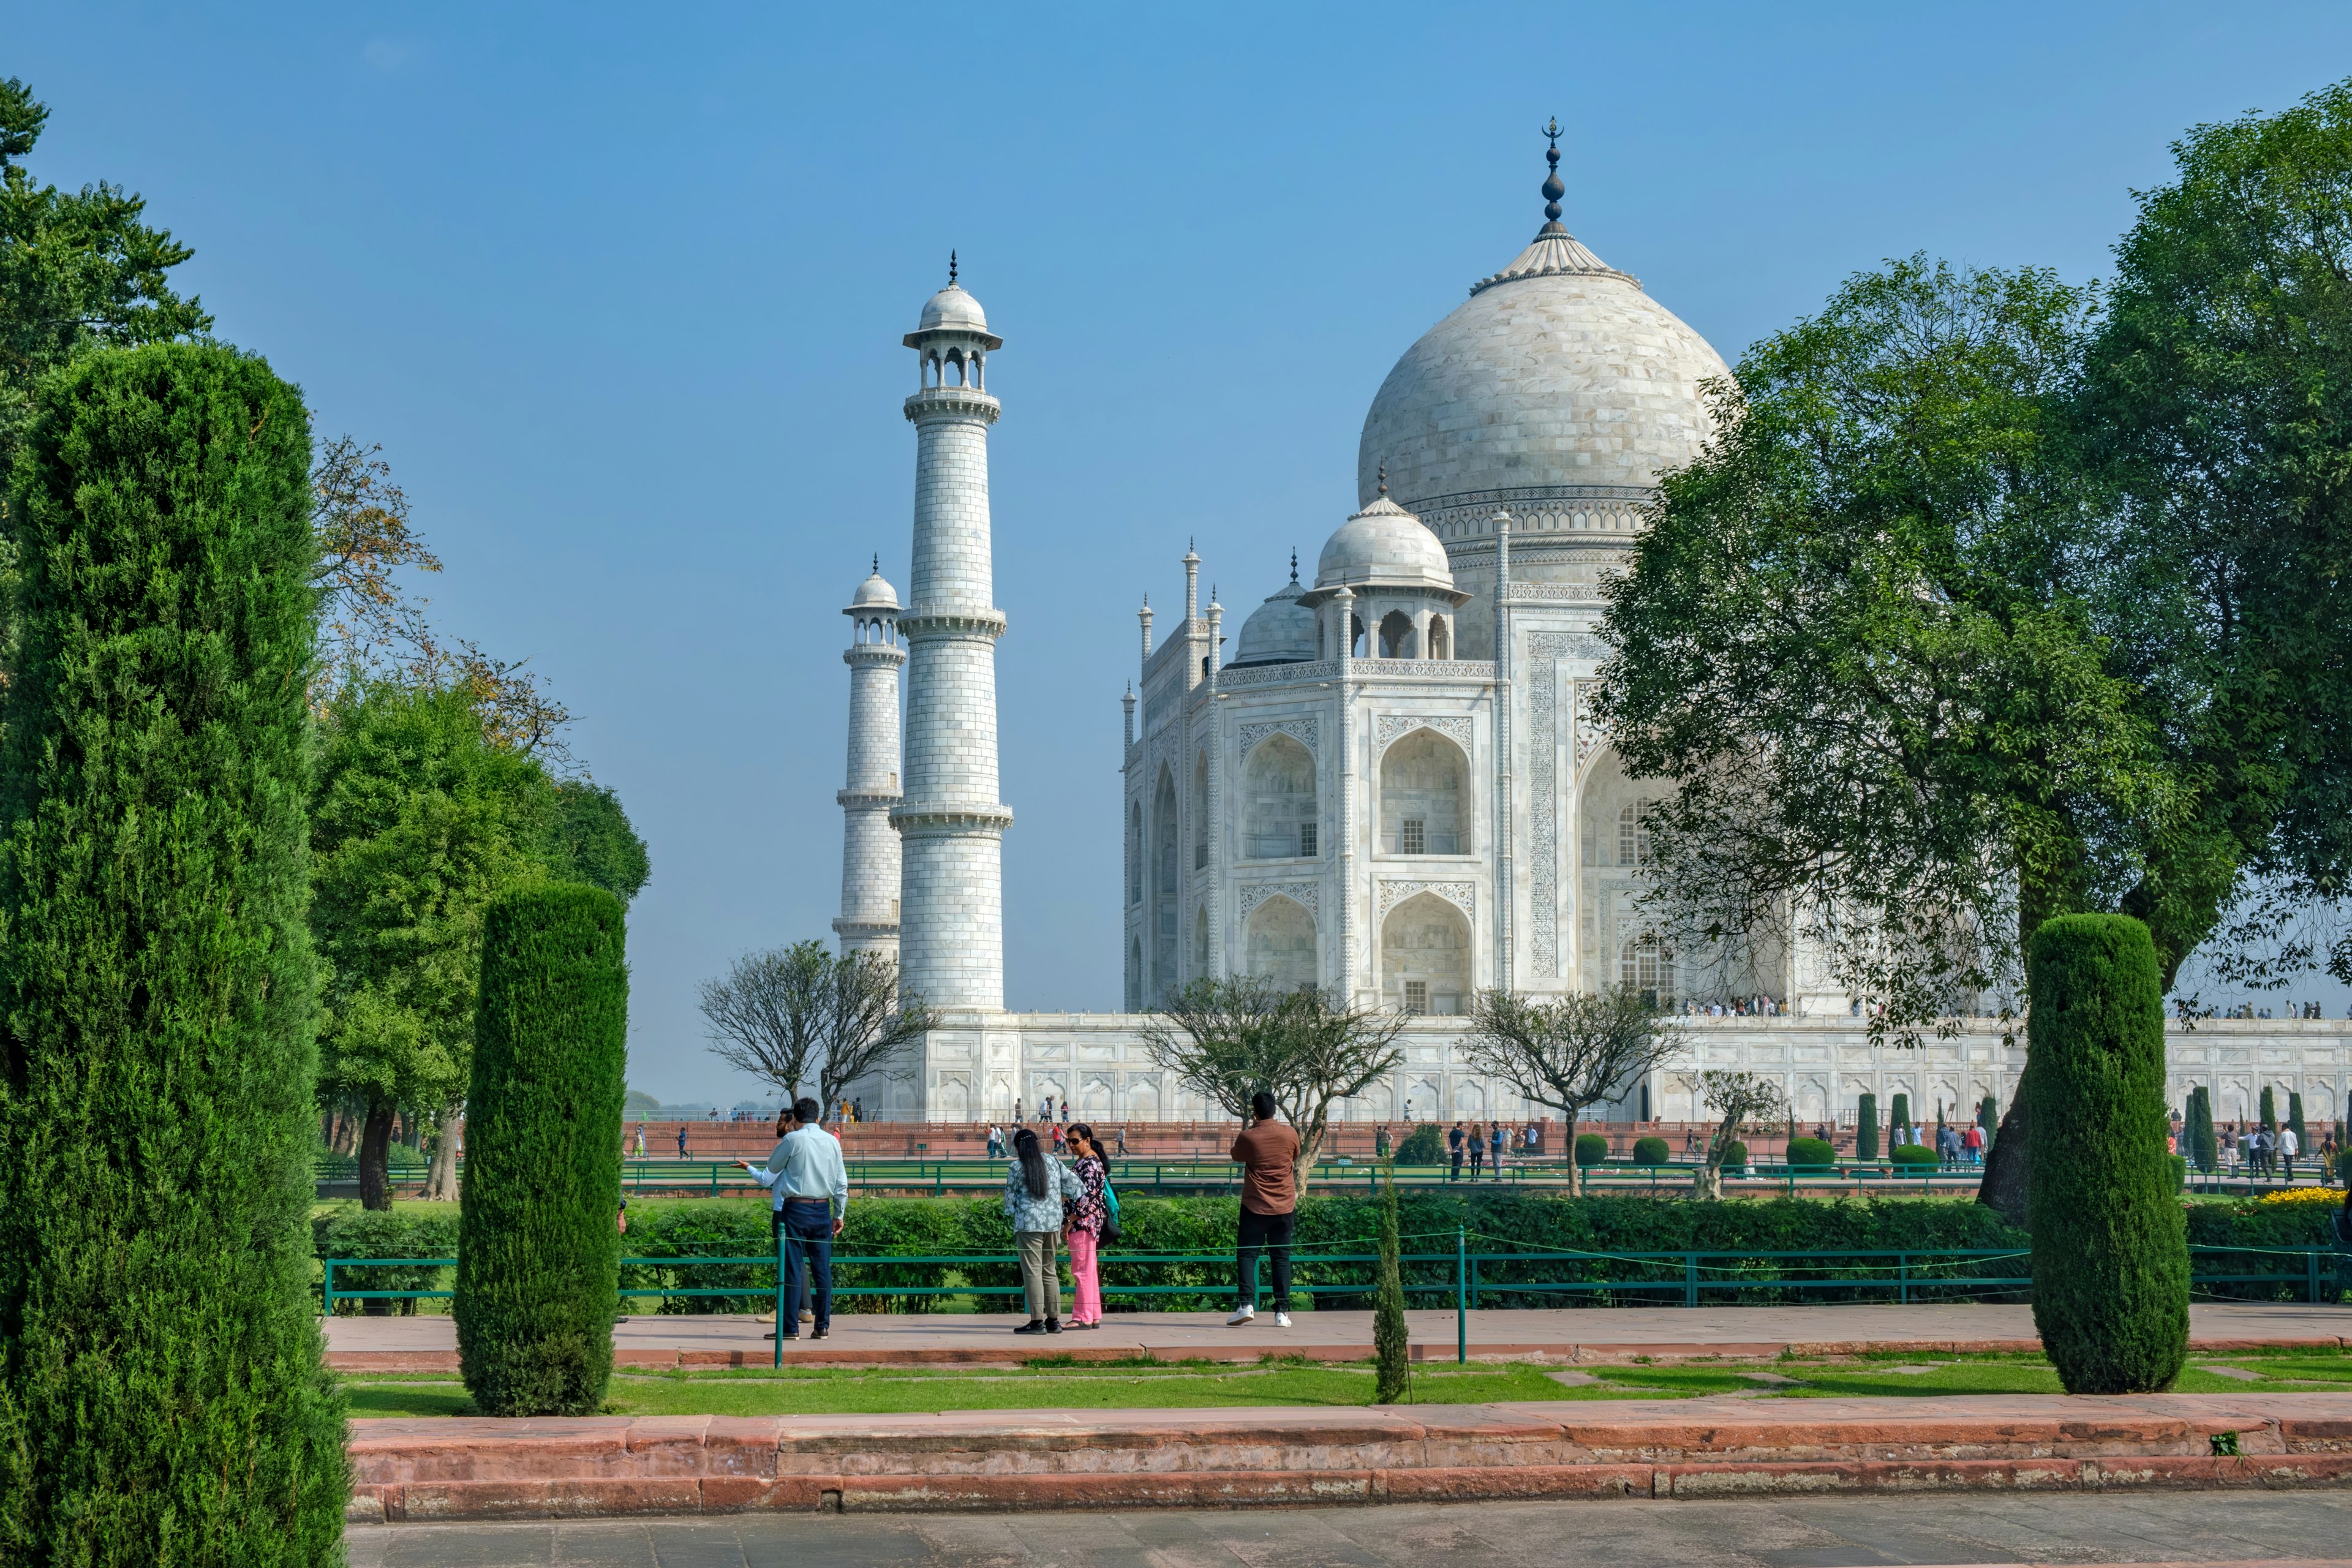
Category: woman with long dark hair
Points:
column 1034, row 1190
column 1085, row 1222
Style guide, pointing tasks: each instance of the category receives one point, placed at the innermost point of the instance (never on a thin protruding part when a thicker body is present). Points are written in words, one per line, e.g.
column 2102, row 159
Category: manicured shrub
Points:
column 1652, row 1151
column 2269, row 1108
column 1913, row 1155
column 1988, row 1117
column 1591, row 1149
column 1735, row 1155
column 161, row 1395
column 2198, row 1141
column 1865, row 1133
column 2110, row 1245
column 538, row 1248
column 1900, row 1113
column 2179, row 1173
column 1815, row 1152
column 1392, row 1338
column 342, row 1232
column 2295, row 1120
column 1424, row 1145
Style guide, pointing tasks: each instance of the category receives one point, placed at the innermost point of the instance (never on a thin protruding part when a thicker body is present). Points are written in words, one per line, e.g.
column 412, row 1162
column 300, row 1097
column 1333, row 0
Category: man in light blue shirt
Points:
column 811, row 1184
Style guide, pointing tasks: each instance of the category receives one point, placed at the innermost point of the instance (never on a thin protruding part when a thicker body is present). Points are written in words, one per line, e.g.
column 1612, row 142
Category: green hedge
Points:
column 739, row 1228
column 1915, row 1154
column 1813, row 1151
column 377, row 1233
column 1591, row 1149
column 1735, row 1155
column 1652, row 1151
column 1424, row 1145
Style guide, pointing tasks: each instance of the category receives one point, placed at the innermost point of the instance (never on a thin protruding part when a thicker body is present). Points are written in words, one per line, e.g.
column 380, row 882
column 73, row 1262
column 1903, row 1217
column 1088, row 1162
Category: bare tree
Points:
column 867, row 1021
column 1228, row 1040
column 1739, row 1097
column 1584, row 1049
column 798, row 1014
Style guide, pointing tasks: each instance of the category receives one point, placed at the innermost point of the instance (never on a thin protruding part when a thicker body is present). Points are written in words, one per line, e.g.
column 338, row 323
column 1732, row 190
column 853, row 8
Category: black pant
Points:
column 806, row 1231
column 1264, row 1232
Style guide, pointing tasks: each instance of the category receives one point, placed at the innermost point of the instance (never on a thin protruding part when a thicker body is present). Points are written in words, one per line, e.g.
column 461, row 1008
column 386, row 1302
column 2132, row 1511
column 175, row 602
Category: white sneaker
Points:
column 1282, row 1319
column 1241, row 1315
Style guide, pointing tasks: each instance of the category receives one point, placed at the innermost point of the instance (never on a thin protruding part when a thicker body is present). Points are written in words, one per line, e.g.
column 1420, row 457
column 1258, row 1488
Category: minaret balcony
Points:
column 953, row 403
column 944, row 623
column 867, row 797
column 868, row 654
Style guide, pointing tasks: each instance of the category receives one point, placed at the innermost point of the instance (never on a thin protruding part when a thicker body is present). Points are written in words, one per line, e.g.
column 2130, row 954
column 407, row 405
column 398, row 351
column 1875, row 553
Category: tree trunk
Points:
column 375, row 1156
column 1707, row 1182
column 441, row 1179
column 1575, row 1171
column 1303, row 1169
column 2002, row 1190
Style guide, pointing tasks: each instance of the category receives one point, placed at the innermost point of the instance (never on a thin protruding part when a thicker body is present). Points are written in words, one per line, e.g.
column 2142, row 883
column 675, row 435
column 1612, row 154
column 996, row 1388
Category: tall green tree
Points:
column 78, row 270
column 418, row 823
column 162, row 1398
column 2218, row 392
column 539, row 1249
column 2110, row 1240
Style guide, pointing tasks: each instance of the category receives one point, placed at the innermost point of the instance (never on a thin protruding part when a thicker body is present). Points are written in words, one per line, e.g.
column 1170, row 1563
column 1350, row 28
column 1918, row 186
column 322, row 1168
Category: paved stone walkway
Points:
column 1815, row 1532
column 429, row 1343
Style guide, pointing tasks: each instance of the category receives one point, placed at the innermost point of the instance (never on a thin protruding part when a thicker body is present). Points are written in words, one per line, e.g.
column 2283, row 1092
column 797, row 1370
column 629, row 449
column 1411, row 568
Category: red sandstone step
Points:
column 990, row 1460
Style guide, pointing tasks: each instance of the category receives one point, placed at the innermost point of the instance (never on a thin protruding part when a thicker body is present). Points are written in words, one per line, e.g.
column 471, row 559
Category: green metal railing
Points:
column 1689, row 1276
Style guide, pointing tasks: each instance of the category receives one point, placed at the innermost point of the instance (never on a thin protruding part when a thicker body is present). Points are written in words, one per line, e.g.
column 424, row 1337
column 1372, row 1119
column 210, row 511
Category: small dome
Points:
column 1383, row 544
column 875, row 594
column 1280, row 631
column 950, row 309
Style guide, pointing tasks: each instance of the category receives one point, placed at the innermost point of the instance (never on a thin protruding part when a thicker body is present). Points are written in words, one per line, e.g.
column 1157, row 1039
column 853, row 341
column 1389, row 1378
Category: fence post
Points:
column 714, row 1191
column 2311, row 1257
column 794, row 1319
column 329, row 1303
column 1461, row 1296
column 1690, row 1278
column 1903, row 1275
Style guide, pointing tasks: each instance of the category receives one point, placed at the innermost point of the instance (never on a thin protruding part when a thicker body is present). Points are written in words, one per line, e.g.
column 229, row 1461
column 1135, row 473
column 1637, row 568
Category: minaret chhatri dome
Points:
column 1557, row 378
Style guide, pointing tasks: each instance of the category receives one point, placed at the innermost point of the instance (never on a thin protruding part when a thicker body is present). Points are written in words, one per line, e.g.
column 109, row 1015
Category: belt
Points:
column 820, row 1202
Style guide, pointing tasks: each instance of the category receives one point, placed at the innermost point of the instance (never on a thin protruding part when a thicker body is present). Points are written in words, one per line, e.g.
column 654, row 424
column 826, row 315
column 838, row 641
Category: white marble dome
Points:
column 875, row 594
column 1383, row 544
column 1280, row 631
column 954, row 310
column 1557, row 372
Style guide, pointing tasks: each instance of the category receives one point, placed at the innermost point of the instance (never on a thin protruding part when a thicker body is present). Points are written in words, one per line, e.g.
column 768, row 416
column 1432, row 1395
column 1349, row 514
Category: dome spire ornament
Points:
column 1293, row 563
column 952, row 255
column 1552, row 189
column 1384, row 479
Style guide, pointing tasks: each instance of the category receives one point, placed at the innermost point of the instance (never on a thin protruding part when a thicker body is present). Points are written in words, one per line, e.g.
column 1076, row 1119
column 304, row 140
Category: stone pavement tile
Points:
column 697, row 1543
column 475, row 1546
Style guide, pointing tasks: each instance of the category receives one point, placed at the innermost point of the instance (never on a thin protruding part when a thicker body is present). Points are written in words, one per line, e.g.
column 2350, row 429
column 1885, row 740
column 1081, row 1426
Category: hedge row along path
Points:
column 429, row 1343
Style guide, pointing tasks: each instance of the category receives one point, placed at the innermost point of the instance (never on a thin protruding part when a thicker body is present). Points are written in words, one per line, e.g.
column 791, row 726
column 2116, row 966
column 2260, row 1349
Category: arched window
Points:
column 1200, row 811
column 1645, row 965
column 1200, row 940
column 1282, row 942
column 1135, row 853
column 1166, row 833
column 1396, row 635
column 1633, row 834
column 1425, row 956
column 1423, row 778
column 1441, row 642
column 1279, row 814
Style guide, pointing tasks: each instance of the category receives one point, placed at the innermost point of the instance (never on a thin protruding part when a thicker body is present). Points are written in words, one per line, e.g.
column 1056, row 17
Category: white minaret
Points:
column 869, row 845
column 952, row 825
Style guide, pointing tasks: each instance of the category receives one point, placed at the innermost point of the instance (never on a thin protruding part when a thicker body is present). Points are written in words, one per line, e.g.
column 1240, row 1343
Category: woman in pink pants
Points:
column 1084, row 1221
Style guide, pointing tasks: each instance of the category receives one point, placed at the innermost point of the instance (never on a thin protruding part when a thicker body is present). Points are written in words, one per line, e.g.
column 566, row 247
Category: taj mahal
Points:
column 1390, row 783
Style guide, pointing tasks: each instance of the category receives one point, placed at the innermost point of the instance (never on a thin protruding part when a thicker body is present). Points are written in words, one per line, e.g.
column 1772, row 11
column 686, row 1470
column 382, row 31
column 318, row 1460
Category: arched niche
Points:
column 1425, row 957
column 1282, row 942
column 1425, row 783
column 1200, row 940
column 1397, row 639
column 1279, row 814
column 1167, row 832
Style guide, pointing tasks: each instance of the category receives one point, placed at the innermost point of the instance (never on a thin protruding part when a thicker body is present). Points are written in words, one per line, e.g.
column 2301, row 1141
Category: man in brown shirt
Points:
column 1266, row 1151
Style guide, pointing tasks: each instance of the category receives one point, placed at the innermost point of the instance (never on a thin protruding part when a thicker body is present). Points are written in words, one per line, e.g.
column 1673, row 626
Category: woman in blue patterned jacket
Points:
column 1034, row 1188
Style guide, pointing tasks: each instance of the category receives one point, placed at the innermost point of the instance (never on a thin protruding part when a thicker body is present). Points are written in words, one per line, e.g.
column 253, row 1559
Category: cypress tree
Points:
column 1903, row 1115
column 2201, row 1147
column 2295, row 1120
column 2110, row 1238
column 1987, row 1118
column 538, row 1239
column 2269, row 1109
column 163, row 1397
column 1865, row 1130
column 1391, row 1342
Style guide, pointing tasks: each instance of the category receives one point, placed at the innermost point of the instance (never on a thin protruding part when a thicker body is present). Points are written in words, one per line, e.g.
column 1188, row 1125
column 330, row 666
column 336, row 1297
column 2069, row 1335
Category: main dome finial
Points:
column 952, row 255
column 1552, row 189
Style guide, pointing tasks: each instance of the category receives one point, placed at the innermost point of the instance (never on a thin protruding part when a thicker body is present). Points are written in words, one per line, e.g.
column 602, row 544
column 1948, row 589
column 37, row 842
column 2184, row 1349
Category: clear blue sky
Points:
column 620, row 291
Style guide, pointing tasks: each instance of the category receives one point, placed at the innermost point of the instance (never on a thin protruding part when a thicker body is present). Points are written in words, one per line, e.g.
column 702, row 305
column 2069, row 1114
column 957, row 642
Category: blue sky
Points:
column 620, row 292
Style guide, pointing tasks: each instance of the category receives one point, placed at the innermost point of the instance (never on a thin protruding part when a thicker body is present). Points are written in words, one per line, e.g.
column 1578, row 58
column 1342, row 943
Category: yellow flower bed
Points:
column 2305, row 1195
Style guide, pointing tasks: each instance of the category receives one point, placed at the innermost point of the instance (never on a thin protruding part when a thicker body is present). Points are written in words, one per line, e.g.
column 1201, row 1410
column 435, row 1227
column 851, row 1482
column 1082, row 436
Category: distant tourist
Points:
column 681, row 1139
column 995, row 1142
column 2288, row 1148
column 1498, row 1139
column 1381, row 1141
column 1016, row 1110
column 1035, row 1188
column 1532, row 1145
column 1083, row 1223
column 810, row 1185
column 1973, row 1142
column 641, row 1140
column 1267, row 1151
column 1453, row 1151
column 1476, row 1148
column 1121, row 1136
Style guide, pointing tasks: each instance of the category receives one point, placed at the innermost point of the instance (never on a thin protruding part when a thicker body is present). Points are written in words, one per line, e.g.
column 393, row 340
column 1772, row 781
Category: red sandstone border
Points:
column 992, row 1461
column 1571, row 1353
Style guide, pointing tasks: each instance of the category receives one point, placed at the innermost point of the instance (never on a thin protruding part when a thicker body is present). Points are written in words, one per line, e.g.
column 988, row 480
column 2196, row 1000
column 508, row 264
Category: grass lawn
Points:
column 821, row 1390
